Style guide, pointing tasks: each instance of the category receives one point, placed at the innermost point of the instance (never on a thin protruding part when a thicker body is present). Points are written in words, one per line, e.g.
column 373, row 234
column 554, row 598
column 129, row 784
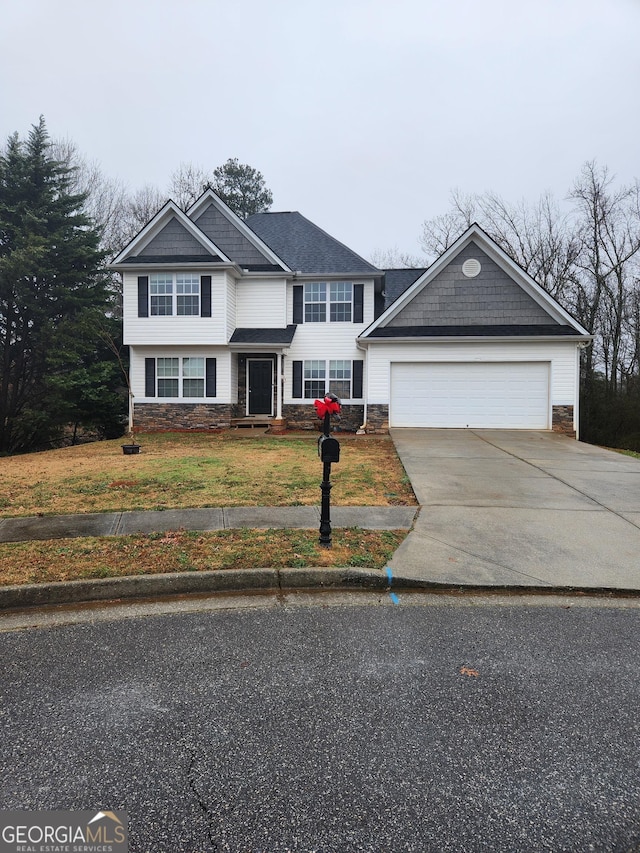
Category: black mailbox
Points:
column 328, row 449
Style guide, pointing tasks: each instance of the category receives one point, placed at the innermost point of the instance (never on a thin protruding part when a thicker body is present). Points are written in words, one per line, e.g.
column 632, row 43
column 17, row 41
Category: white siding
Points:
column 325, row 340
column 261, row 304
column 561, row 355
column 226, row 376
column 176, row 330
column 321, row 341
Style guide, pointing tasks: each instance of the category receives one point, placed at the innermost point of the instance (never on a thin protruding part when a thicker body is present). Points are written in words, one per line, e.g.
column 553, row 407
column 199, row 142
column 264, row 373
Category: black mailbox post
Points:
column 329, row 452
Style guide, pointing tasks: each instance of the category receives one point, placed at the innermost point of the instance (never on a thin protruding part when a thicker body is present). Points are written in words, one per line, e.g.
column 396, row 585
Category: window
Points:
column 314, row 379
column 193, row 377
column 168, row 377
column 344, row 298
column 177, row 294
column 340, row 378
column 188, row 294
column 340, row 302
column 315, row 302
column 161, row 292
column 180, row 377
column 340, row 296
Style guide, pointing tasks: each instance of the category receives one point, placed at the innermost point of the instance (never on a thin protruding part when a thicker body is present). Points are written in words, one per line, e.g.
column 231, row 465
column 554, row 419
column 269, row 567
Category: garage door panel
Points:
column 510, row 395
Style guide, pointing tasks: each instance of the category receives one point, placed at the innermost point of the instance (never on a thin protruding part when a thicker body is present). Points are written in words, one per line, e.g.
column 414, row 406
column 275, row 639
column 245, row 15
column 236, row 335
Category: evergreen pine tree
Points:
column 50, row 283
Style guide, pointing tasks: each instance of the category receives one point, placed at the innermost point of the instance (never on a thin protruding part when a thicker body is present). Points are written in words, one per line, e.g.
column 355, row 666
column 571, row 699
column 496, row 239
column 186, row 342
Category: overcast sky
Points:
column 361, row 114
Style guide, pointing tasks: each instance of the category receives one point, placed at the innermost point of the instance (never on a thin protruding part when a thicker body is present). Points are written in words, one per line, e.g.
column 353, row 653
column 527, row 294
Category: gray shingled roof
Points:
column 305, row 247
column 264, row 336
column 397, row 281
column 554, row 330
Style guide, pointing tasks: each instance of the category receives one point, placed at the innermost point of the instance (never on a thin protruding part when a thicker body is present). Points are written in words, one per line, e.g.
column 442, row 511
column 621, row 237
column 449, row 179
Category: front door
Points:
column 259, row 386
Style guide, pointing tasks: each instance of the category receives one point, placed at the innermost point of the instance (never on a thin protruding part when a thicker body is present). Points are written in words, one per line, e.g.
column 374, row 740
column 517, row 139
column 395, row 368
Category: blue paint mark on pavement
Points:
column 392, row 595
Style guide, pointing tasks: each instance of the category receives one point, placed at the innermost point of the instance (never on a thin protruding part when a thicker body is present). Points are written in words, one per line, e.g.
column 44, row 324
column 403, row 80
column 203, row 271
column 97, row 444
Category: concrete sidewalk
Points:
column 214, row 518
column 207, row 582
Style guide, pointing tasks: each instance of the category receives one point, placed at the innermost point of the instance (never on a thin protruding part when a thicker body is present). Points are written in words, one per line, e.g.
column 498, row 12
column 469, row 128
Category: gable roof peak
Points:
column 169, row 210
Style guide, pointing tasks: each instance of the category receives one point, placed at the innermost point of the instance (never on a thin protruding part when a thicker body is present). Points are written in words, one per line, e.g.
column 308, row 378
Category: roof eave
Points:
column 177, row 265
column 422, row 339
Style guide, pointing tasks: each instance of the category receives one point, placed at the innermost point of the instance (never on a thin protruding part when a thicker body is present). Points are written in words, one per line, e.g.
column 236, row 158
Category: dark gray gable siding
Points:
column 305, row 247
column 227, row 237
column 174, row 239
column 491, row 298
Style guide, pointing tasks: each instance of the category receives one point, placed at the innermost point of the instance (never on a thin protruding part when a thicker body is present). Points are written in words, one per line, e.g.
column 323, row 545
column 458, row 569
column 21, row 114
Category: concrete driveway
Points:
column 519, row 508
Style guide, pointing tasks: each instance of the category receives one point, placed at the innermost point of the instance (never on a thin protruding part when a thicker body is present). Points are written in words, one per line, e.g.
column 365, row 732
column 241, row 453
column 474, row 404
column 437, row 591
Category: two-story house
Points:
column 232, row 321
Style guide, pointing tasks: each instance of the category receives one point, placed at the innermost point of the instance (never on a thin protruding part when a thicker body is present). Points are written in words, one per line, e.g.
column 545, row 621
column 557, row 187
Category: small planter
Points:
column 130, row 449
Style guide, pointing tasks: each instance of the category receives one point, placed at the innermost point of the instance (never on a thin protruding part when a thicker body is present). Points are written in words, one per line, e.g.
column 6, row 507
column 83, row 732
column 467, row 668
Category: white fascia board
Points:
column 210, row 197
column 476, row 234
column 153, row 228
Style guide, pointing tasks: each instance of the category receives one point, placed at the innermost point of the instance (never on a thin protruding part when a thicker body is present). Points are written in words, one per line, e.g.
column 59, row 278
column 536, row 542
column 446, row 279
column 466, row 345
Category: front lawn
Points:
column 234, row 468
column 186, row 551
column 181, row 470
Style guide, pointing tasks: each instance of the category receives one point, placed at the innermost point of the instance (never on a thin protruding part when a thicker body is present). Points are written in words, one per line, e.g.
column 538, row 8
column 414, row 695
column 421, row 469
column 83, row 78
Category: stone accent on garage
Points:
column 377, row 418
column 562, row 420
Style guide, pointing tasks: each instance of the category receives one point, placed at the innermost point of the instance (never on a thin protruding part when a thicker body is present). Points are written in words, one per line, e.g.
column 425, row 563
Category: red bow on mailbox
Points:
column 329, row 406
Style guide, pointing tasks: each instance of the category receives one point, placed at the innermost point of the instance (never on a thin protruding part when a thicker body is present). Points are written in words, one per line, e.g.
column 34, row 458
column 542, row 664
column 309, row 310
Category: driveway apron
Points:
column 519, row 508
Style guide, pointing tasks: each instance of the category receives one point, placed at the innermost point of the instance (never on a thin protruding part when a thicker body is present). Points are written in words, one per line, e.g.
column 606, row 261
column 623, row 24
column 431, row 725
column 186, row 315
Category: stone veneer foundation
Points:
column 562, row 420
column 157, row 417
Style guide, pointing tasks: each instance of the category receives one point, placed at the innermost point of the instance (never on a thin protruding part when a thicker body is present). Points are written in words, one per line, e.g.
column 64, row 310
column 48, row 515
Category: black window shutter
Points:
column 358, row 303
column 210, row 381
column 356, row 390
column 298, row 303
column 297, row 379
column 205, row 299
column 143, row 296
column 149, row 377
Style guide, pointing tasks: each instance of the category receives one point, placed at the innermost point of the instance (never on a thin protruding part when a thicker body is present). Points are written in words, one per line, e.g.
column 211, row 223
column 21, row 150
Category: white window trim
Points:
column 327, row 377
column 327, row 302
column 174, row 294
column 181, row 377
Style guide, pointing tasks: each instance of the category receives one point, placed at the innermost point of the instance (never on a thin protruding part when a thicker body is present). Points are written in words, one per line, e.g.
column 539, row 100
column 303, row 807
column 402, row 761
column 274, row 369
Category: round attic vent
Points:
column 471, row 267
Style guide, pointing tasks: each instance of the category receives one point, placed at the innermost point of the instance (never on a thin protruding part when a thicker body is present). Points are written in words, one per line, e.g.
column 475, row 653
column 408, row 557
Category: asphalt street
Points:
column 437, row 724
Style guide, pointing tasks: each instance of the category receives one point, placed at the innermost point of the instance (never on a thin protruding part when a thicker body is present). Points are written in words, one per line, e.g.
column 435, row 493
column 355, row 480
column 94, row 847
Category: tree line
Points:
column 62, row 220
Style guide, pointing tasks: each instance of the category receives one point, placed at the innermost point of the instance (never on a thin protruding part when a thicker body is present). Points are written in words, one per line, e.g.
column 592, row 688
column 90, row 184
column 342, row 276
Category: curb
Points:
column 180, row 583
column 131, row 587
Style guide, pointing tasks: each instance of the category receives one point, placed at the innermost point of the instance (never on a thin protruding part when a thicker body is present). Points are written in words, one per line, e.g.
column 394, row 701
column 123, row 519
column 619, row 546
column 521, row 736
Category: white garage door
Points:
column 511, row 395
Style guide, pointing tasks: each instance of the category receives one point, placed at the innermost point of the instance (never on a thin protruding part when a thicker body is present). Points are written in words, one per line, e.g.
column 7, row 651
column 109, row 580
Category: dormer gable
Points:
column 171, row 237
column 228, row 231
